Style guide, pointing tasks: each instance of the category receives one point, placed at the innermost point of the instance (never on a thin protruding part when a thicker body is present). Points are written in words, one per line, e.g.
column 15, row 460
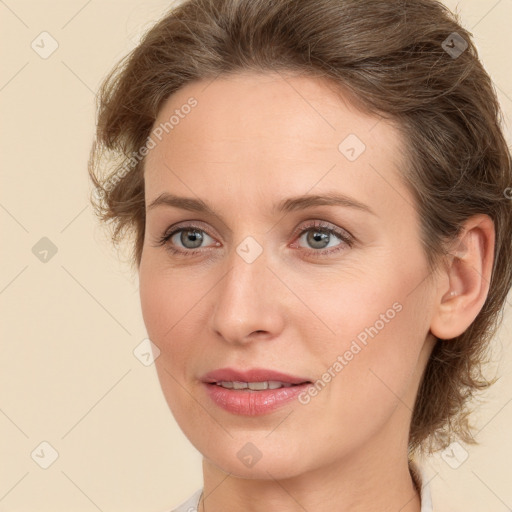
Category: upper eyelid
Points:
column 188, row 225
column 191, row 224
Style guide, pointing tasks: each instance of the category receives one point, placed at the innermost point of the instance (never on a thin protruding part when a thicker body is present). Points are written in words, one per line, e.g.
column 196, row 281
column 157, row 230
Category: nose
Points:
column 247, row 302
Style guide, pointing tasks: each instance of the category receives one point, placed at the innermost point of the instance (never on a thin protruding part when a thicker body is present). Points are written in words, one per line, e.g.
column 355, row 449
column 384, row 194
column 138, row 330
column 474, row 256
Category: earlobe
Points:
column 468, row 274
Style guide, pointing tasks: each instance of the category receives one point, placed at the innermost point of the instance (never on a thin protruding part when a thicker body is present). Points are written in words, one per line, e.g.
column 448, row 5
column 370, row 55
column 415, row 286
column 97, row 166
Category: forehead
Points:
column 269, row 130
column 261, row 105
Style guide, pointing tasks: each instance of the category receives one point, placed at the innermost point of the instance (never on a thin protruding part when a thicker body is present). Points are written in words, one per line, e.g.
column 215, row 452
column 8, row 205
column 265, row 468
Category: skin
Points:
column 253, row 140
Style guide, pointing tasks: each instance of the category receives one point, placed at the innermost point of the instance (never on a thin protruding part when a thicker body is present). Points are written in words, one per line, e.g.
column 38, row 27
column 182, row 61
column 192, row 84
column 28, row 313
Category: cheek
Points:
column 381, row 355
column 366, row 304
column 162, row 311
column 154, row 303
column 370, row 362
column 173, row 306
column 165, row 299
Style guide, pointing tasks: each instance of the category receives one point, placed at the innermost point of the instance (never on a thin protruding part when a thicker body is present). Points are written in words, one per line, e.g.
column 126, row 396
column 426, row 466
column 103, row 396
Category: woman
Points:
column 318, row 196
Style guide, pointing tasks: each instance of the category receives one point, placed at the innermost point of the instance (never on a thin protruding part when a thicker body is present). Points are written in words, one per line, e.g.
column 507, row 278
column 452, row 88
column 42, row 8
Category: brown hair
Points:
column 398, row 59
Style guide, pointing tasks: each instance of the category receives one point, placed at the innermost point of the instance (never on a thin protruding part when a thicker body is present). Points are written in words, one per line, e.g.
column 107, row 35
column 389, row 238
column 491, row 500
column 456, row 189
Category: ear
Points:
column 465, row 280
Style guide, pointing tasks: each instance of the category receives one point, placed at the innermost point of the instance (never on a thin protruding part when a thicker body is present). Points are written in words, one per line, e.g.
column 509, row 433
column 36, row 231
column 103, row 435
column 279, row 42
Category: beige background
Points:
column 70, row 325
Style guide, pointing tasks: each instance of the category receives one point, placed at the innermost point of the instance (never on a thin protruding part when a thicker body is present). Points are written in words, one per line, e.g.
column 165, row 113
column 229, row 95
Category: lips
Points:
column 243, row 392
column 253, row 375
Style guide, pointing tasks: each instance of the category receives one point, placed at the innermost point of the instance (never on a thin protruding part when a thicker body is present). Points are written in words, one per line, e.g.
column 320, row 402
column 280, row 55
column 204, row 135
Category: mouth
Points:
column 255, row 386
column 253, row 392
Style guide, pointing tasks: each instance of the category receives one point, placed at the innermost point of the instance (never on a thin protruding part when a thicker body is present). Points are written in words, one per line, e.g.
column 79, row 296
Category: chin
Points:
column 269, row 469
column 254, row 457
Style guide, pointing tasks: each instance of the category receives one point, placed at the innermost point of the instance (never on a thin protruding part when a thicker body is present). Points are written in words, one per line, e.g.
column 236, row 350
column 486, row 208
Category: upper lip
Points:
column 252, row 375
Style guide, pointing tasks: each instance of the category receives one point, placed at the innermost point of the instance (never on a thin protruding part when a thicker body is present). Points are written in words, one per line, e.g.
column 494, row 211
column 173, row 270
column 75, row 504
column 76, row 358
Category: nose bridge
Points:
column 245, row 300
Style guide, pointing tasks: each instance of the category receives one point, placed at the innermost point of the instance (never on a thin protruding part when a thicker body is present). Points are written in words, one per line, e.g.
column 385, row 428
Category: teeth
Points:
column 257, row 386
column 254, row 386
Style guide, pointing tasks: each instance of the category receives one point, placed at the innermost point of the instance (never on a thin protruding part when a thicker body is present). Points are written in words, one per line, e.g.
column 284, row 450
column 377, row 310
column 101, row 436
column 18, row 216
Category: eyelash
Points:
column 321, row 226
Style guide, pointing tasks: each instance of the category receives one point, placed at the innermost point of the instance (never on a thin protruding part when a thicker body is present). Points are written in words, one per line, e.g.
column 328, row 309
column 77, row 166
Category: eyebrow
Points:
column 287, row 205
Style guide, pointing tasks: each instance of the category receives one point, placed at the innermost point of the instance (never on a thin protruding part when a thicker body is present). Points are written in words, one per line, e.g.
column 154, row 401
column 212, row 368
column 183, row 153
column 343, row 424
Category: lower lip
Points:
column 253, row 403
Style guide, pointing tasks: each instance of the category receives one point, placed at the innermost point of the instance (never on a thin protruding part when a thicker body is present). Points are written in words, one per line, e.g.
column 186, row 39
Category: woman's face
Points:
column 259, row 282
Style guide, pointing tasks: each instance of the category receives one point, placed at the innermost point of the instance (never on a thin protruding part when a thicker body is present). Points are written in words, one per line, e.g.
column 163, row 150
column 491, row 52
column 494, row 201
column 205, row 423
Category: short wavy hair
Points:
column 408, row 61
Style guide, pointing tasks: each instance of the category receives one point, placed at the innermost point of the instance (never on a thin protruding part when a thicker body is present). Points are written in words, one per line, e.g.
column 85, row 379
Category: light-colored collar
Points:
column 420, row 477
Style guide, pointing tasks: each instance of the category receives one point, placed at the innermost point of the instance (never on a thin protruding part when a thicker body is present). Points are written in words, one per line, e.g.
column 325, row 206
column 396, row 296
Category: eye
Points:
column 186, row 240
column 190, row 238
column 320, row 235
column 193, row 239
